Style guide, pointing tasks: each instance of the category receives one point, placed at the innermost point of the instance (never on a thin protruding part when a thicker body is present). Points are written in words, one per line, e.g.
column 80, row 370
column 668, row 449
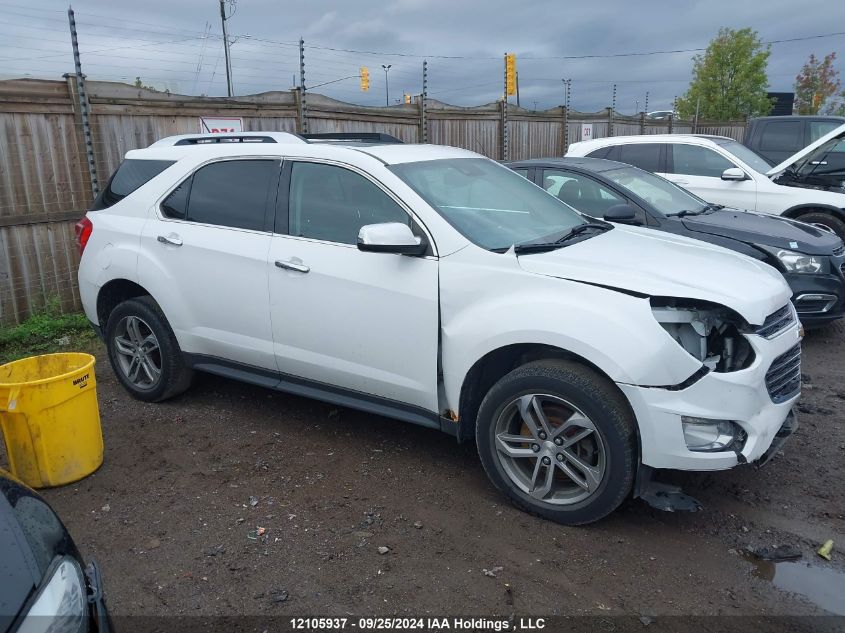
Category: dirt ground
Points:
column 186, row 484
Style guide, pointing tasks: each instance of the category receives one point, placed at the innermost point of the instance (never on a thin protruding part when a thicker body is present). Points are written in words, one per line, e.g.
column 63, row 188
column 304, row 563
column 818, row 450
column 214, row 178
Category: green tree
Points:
column 729, row 80
column 817, row 82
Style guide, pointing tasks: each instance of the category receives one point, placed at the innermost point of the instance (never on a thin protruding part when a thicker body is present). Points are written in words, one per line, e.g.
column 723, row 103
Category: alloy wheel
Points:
column 137, row 352
column 550, row 449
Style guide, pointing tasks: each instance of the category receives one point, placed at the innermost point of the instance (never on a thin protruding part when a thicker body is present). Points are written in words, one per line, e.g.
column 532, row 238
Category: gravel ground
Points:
column 232, row 499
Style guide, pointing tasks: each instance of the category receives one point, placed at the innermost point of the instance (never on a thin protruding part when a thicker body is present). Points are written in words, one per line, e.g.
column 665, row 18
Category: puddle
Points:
column 822, row 586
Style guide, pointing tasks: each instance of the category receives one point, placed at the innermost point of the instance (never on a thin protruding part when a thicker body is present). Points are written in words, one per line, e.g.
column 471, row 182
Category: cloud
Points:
column 162, row 42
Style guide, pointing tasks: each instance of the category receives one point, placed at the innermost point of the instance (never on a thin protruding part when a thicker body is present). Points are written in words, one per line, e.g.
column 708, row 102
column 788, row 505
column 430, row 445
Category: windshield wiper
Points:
column 707, row 207
column 539, row 247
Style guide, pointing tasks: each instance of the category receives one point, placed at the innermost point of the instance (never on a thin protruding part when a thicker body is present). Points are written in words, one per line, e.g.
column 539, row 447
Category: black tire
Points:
column 825, row 219
column 598, row 400
column 175, row 377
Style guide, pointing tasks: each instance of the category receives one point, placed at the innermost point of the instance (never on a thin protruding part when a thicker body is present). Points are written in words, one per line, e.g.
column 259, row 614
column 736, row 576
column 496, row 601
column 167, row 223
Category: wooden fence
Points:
column 45, row 185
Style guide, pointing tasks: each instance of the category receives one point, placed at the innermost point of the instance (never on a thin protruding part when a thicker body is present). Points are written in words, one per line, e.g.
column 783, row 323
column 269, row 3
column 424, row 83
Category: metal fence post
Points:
column 84, row 110
column 505, row 152
column 642, row 122
column 303, row 108
column 611, row 113
column 423, row 105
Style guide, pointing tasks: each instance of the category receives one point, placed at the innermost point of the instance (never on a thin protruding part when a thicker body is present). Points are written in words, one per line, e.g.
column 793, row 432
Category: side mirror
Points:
column 734, row 173
column 621, row 213
column 390, row 237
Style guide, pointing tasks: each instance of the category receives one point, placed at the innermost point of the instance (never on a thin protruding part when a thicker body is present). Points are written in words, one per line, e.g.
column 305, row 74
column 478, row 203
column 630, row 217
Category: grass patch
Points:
column 46, row 332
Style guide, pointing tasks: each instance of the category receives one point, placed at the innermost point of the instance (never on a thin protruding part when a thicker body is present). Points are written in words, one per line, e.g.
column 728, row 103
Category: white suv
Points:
column 435, row 286
column 723, row 171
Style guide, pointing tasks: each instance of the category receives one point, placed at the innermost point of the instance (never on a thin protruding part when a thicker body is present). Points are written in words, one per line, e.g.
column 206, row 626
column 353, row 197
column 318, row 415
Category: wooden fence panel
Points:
column 45, row 185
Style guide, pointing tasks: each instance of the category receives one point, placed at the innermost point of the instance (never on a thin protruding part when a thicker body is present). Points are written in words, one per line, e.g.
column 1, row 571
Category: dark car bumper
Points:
column 819, row 299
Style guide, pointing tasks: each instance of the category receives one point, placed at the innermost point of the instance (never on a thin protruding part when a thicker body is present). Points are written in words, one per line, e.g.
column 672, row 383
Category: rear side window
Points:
column 643, row 155
column 601, row 152
column 131, row 175
column 230, row 193
column 782, row 136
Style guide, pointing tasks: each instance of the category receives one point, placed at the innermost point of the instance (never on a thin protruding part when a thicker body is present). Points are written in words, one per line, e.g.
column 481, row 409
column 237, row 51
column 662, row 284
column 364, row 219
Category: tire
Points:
column 825, row 219
column 573, row 399
column 139, row 342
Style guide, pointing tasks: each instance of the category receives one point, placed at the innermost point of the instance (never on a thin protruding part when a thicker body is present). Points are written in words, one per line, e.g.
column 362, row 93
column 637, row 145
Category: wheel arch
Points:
column 795, row 212
column 113, row 293
column 495, row 364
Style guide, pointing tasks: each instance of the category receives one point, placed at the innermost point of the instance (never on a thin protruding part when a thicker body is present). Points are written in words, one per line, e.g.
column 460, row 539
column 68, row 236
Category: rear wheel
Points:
column 826, row 221
column 143, row 351
column 559, row 440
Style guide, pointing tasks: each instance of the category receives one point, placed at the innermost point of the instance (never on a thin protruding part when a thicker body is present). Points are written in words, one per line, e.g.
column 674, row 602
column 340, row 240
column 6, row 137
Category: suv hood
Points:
column 763, row 229
column 659, row 264
column 793, row 160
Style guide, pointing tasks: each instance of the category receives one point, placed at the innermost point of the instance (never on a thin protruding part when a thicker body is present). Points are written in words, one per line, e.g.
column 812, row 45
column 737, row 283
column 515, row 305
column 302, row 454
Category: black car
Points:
column 776, row 138
column 45, row 584
column 810, row 259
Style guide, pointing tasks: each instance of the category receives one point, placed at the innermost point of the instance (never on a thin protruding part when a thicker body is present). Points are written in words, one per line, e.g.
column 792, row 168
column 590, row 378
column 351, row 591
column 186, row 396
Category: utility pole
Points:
column 226, row 48
column 83, row 105
column 517, row 88
column 386, row 84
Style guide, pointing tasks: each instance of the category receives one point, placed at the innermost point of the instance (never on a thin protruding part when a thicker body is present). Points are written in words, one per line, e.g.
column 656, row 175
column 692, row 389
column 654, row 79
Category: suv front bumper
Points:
column 816, row 313
column 740, row 396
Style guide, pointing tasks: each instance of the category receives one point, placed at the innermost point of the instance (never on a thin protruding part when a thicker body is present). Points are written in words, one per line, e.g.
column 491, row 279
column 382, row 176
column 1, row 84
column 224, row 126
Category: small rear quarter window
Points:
column 132, row 174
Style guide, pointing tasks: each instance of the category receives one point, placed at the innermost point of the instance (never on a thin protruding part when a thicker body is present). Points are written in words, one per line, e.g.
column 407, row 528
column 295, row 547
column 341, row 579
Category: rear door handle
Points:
column 172, row 239
column 290, row 265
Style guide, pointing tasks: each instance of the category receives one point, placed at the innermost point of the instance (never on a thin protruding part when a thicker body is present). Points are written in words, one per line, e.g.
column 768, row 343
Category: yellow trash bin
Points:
column 50, row 418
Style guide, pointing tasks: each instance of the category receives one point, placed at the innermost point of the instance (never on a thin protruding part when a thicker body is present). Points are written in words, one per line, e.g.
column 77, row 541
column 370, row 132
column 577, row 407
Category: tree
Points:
column 817, row 82
column 729, row 80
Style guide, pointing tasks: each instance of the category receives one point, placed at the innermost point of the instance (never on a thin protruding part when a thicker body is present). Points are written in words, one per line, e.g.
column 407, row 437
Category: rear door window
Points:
column 643, row 155
column 781, row 136
column 232, row 193
column 132, row 174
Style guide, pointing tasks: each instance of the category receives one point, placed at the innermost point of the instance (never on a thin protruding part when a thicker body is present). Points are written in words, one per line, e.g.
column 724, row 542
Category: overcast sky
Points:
column 177, row 44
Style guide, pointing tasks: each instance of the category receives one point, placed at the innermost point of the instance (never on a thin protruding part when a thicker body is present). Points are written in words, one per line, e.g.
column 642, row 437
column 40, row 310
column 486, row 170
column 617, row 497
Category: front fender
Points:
column 613, row 330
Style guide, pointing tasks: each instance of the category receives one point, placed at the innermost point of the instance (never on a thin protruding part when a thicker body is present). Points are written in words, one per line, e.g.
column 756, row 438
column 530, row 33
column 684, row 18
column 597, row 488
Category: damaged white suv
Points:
column 432, row 285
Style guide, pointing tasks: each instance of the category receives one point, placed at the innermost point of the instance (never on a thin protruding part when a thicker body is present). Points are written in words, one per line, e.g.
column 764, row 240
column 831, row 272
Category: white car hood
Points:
column 659, row 264
column 800, row 155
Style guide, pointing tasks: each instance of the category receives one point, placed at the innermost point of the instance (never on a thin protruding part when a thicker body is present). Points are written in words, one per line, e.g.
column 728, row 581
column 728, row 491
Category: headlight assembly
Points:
column 708, row 332
column 799, row 262
column 62, row 602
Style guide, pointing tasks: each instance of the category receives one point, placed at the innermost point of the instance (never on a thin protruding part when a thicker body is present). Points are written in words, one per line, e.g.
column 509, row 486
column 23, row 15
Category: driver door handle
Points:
column 290, row 265
column 172, row 239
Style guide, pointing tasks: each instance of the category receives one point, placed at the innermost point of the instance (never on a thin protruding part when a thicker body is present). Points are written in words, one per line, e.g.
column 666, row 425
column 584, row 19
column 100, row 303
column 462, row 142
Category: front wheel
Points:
column 825, row 221
column 143, row 351
column 559, row 440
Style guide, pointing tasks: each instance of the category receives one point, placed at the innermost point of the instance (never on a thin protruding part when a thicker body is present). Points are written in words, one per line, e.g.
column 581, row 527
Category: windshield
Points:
column 491, row 205
column 664, row 196
column 747, row 156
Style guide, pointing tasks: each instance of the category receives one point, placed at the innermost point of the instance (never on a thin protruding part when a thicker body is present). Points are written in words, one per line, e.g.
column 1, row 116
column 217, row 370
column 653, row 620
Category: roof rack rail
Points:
column 360, row 137
column 240, row 137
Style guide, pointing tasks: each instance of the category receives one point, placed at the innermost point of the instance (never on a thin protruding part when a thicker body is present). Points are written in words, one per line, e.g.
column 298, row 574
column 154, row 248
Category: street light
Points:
column 386, row 84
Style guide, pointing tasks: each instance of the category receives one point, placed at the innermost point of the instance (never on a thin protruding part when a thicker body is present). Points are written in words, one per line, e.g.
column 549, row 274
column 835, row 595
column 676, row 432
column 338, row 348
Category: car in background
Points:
column 661, row 115
column 46, row 585
column 724, row 171
column 809, row 258
column 776, row 138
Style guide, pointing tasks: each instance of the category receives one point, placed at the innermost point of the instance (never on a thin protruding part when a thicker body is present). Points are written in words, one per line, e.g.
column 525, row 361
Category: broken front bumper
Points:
column 741, row 397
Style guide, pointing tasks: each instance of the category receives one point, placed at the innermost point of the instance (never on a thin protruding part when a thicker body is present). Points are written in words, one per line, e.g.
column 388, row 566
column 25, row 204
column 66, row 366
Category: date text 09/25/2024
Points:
column 418, row 624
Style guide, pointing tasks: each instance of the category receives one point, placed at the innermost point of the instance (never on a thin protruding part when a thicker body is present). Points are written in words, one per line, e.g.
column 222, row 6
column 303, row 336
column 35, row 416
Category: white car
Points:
column 723, row 171
column 436, row 286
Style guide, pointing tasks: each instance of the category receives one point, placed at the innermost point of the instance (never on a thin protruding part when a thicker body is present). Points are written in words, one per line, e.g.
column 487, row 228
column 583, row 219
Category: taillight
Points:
column 83, row 230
